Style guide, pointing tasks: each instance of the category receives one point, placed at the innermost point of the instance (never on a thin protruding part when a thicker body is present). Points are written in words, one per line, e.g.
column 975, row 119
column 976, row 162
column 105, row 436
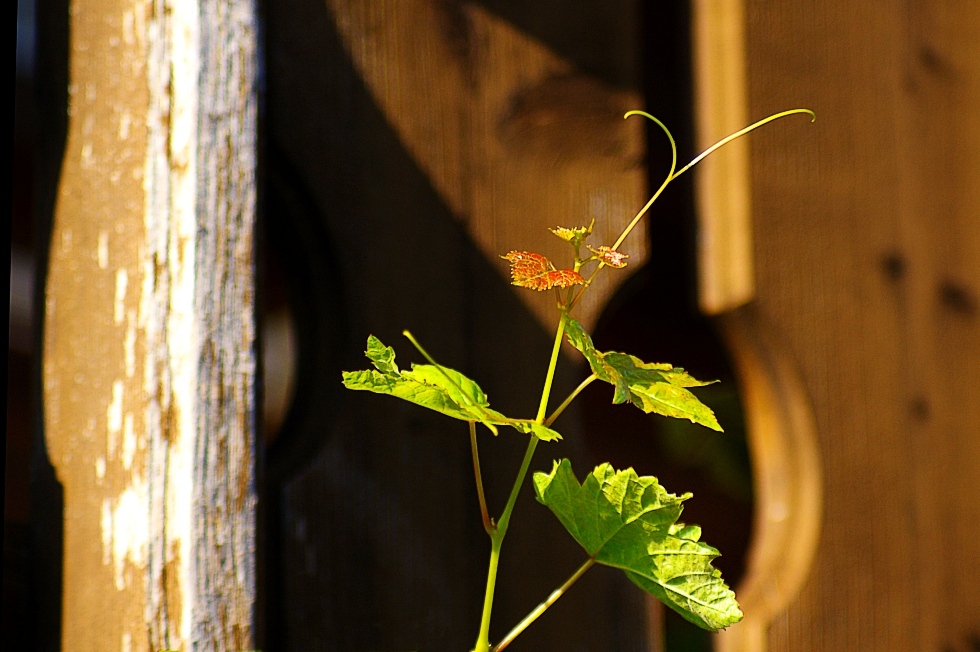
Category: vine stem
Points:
column 571, row 397
column 673, row 175
column 487, row 523
column 546, row 392
column 541, row 608
column 497, row 535
column 483, row 640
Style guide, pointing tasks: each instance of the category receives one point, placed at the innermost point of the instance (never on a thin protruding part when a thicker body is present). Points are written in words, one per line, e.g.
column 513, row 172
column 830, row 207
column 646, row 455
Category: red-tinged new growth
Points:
column 609, row 256
column 535, row 272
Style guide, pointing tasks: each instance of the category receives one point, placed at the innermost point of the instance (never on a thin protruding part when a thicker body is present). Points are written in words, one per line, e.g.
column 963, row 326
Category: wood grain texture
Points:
column 786, row 465
column 868, row 261
column 149, row 369
column 787, row 477
column 93, row 427
column 726, row 270
column 513, row 137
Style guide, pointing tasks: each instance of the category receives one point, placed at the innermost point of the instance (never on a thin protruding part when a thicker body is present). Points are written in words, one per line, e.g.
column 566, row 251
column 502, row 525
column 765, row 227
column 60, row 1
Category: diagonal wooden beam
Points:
column 513, row 137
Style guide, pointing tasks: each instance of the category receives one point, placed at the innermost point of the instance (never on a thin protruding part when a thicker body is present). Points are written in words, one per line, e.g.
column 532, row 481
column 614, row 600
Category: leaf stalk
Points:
column 571, row 397
column 487, row 522
column 541, row 608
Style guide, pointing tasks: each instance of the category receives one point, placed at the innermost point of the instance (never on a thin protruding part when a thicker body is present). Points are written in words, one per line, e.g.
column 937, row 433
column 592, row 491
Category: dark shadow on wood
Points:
column 378, row 539
column 601, row 39
column 46, row 493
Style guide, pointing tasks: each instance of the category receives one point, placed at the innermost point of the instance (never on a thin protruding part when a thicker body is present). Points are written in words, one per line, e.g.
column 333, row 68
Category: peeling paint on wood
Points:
column 152, row 270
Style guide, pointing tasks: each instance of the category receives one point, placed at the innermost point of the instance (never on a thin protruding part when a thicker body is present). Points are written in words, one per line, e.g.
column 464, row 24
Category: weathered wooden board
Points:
column 149, row 341
column 868, row 262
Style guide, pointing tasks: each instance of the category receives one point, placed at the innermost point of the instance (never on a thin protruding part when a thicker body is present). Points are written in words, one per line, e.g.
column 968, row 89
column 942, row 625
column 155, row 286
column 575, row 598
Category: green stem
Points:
column 483, row 640
column 504, row 521
column 497, row 539
column 541, row 608
column 497, row 535
column 549, row 378
column 571, row 397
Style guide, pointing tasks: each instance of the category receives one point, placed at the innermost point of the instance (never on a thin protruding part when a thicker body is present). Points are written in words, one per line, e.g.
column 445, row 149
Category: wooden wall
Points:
column 868, row 260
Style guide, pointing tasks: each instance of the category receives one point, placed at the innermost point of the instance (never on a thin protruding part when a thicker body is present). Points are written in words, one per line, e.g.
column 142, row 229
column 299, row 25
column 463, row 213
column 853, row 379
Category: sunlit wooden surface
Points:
column 514, row 138
column 868, row 262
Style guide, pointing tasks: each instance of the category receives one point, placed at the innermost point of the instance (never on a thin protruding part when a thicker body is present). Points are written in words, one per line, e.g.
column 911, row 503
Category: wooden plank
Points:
column 868, row 263
column 786, row 466
column 939, row 302
column 786, row 475
column 149, row 369
column 726, row 267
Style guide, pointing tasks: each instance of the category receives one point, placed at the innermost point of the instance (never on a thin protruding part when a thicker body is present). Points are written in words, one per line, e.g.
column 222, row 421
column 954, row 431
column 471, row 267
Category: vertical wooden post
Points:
column 149, row 343
column 726, row 266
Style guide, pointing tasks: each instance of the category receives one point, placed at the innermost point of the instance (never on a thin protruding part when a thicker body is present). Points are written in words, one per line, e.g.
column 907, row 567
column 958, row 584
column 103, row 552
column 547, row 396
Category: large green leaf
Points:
column 439, row 388
column 651, row 386
column 630, row 522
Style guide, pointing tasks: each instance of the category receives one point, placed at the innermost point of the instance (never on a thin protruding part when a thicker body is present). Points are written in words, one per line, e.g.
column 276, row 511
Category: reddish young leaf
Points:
column 610, row 256
column 535, row 272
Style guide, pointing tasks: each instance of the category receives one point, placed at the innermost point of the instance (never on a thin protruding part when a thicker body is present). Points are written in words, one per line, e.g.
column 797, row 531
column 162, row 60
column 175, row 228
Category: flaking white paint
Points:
column 128, row 442
column 129, row 526
column 129, row 344
column 183, row 337
column 167, row 310
column 119, row 305
column 114, row 417
column 125, row 121
column 106, row 525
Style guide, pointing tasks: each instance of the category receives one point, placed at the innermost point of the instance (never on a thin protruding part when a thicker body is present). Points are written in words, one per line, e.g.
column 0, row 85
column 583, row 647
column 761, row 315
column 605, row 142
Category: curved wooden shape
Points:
column 781, row 429
column 787, row 473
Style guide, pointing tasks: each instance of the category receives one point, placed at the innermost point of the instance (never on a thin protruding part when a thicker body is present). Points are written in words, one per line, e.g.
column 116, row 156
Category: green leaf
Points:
column 439, row 388
column 574, row 236
column 630, row 522
column 381, row 356
column 652, row 387
column 543, row 433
